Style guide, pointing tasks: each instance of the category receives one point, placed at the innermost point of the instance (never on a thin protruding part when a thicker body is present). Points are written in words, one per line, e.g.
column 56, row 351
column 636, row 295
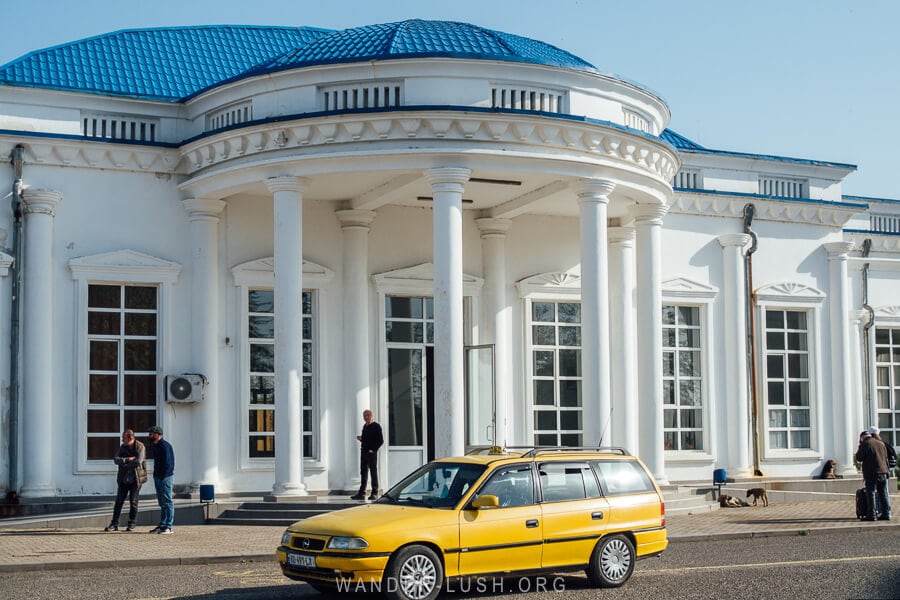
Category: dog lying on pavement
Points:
column 726, row 501
column 758, row 494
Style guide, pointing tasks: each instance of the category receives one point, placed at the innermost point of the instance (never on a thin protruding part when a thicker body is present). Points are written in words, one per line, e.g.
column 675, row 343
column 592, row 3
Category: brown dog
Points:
column 828, row 471
column 758, row 493
column 726, row 501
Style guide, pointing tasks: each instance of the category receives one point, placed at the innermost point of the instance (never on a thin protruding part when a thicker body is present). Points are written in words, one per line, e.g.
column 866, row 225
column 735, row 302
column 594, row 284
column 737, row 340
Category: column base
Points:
column 288, row 490
column 37, row 492
column 847, row 471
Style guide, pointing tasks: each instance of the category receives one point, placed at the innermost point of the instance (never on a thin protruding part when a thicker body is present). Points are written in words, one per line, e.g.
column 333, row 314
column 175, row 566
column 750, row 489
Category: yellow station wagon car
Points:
column 488, row 514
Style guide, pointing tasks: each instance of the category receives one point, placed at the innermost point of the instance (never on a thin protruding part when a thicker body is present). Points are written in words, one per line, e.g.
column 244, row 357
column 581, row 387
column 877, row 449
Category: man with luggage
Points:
column 873, row 456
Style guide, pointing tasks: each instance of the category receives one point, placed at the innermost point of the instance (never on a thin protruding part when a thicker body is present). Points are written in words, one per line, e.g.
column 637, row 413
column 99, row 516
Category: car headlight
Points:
column 347, row 543
column 286, row 538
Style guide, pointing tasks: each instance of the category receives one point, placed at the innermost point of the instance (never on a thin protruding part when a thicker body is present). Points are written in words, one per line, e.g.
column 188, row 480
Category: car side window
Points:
column 618, row 477
column 513, row 486
column 567, row 481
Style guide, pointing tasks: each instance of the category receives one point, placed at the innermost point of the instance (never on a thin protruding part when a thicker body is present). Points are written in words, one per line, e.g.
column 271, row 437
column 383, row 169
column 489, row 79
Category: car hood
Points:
column 373, row 519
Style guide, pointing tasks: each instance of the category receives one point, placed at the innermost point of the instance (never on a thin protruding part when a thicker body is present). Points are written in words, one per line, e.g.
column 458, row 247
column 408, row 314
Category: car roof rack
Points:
column 531, row 451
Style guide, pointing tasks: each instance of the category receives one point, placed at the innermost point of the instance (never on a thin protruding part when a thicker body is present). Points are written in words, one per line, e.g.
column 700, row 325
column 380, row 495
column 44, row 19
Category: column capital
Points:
column 621, row 236
column 649, row 214
column 41, row 201
column 286, row 183
column 597, row 189
column 448, row 179
column 493, row 228
column 734, row 239
column 203, row 208
column 355, row 219
column 838, row 250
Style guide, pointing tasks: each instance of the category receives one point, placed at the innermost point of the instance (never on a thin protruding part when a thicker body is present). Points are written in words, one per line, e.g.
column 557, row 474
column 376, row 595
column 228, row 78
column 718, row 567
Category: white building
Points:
column 474, row 234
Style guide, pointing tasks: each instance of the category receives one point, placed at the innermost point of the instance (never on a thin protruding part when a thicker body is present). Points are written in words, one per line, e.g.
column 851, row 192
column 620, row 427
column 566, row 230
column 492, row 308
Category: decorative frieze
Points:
column 59, row 152
column 724, row 205
column 591, row 139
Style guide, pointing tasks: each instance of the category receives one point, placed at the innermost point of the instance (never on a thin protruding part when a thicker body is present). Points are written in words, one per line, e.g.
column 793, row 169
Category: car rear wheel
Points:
column 413, row 573
column 612, row 561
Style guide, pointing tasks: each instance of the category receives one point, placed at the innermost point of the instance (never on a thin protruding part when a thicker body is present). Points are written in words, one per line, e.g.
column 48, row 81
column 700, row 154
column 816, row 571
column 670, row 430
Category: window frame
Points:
column 681, row 291
column 260, row 274
column 886, row 317
column 798, row 298
column 117, row 268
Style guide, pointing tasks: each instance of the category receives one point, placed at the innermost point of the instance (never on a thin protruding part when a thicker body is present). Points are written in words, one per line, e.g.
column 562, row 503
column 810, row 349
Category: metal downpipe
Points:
column 749, row 323
column 17, row 159
column 866, row 249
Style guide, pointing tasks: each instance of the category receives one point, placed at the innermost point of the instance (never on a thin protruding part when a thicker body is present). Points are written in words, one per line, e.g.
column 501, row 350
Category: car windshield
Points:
column 435, row 485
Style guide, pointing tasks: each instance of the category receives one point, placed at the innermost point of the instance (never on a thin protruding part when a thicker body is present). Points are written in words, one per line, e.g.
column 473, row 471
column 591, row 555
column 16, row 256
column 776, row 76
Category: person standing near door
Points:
column 370, row 441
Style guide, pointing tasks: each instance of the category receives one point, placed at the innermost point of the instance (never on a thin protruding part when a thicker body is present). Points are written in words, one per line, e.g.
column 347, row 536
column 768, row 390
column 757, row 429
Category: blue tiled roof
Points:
column 160, row 63
column 679, row 141
column 419, row 38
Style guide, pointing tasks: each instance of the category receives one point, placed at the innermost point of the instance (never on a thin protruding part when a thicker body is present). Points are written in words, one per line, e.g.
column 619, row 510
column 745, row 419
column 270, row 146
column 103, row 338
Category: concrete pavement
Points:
column 42, row 548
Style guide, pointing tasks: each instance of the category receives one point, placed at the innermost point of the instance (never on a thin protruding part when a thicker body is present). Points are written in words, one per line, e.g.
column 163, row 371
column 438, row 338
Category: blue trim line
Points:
column 870, row 232
column 83, row 138
column 871, row 199
column 787, row 159
column 768, row 197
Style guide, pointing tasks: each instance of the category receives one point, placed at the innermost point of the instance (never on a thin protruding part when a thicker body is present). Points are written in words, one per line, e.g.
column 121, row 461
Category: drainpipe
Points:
column 17, row 159
column 866, row 248
column 749, row 212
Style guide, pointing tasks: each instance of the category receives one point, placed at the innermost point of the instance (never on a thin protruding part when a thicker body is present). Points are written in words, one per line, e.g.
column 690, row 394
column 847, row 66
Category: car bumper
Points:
column 335, row 568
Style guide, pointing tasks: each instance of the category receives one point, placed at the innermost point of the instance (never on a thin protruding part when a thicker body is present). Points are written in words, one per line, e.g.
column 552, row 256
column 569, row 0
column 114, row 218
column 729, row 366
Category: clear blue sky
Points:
column 811, row 79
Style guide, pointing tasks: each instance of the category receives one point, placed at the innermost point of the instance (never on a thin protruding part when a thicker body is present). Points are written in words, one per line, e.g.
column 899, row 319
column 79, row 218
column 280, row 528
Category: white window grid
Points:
column 554, row 331
column 887, row 383
column 356, row 95
column 682, row 378
column 789, row 396
column 636, row 121
column 260, row 396
column 128, row 415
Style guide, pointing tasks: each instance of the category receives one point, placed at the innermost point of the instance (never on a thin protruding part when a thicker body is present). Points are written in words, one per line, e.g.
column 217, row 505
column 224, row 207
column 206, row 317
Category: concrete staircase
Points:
column 274, row 513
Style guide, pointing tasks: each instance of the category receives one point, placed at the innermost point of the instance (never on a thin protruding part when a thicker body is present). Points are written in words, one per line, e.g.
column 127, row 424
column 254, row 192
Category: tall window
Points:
column 887, row 383
column 682, row 383
column 261, row 338
column 787, row 379
column 122, row 364
column 556, row 373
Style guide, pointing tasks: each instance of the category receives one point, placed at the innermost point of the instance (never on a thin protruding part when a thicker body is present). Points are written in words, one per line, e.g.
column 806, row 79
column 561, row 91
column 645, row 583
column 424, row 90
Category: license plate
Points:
column 301, row 560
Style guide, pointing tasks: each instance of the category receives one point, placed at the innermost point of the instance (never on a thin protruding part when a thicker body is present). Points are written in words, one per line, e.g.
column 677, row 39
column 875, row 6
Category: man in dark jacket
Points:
column 873, row 456
column 163, row 477
column 370, row 441
column 130, row 457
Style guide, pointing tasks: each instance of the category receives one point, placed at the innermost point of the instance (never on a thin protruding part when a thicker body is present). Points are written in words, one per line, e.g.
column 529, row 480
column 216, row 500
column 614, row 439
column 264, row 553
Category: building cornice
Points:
column 589, row 141
column 723, row 204
column 73, row 151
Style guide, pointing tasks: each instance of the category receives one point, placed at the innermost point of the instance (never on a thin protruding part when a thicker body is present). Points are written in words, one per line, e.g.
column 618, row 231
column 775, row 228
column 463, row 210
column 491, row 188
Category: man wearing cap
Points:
column 163, row 477
column 873, row 456
column 891, row 463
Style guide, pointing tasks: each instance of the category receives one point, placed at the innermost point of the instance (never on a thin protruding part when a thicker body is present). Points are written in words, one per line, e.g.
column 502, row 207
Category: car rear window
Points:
column 567, row 481
column 618, row 477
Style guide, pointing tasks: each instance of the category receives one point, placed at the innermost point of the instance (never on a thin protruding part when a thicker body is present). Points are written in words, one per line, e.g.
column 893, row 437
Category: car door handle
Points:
column 598, row 515
column 531, row 523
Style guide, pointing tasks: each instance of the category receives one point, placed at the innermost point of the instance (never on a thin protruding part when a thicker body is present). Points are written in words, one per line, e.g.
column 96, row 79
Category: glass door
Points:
column 481, row 397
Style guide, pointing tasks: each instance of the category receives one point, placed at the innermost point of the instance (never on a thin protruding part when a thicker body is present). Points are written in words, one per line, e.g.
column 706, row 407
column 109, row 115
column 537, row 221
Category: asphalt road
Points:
column 821, row 566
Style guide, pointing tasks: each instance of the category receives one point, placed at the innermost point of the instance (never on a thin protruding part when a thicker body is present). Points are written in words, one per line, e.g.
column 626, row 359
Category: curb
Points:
column 745, row 535
column 148, row 562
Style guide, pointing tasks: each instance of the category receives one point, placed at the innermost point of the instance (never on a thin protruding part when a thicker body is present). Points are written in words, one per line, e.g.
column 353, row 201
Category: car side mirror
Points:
column 486, row 501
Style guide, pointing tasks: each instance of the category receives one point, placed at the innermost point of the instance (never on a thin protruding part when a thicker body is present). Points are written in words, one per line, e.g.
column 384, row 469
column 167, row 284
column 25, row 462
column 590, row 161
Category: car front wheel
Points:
column 612, row 561
column 413, row 573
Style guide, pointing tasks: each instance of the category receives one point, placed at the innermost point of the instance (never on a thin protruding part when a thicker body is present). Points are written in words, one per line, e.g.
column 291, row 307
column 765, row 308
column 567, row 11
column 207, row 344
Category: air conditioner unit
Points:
column 185, row 388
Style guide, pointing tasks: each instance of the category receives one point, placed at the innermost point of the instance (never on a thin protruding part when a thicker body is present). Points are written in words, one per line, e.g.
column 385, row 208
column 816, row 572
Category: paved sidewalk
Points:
column 46, row 548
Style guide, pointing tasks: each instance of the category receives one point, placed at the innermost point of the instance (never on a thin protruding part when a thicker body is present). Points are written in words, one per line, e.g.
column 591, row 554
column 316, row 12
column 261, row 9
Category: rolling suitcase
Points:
column 862, row 505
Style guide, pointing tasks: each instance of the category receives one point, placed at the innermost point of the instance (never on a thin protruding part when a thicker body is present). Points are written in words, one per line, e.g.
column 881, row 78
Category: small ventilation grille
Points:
column 230, row 115
column 119, row 127
column 688, row 179
column 636, row 121
column 884, row 223
column 784, row 187
column 348, row 97
column 527, row 98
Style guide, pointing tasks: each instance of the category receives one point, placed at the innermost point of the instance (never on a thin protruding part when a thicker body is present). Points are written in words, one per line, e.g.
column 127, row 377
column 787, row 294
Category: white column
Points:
column 841, row 392
column 38, row 455
column 737, row 402
column 593, row 199
column 356, row 352
column 497, row 325
column 288, row 236
column 860, row 400
column 204, row 216
column 623, row 369
column 449, row 386
column 648, row 226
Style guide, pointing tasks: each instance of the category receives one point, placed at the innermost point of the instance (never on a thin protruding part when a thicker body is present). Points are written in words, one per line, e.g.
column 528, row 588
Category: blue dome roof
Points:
column 418, row 38
column 159, row 63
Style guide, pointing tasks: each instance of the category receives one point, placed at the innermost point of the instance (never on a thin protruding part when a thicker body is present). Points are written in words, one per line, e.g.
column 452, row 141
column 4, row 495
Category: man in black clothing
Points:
column 873, row 456
column 370, row 441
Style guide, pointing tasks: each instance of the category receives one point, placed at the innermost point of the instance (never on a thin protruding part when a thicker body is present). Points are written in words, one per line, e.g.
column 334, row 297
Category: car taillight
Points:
column 662, row 508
